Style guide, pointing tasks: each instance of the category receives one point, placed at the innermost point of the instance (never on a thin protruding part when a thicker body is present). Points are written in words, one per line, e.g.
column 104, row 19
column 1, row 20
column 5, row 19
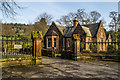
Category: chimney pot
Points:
column 75, row 22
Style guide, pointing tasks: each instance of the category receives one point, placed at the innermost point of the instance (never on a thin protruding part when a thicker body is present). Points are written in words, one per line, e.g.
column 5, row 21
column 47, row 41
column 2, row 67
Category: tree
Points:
column 94, row 16
column 67, row 19
column 46, row 16
column 41, row 26
column 82, row 16
column 114, row 23
column 119, row 35
column 8, row 8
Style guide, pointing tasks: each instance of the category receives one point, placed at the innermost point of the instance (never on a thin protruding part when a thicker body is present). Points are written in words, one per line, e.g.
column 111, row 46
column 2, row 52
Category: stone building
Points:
column 61, row 37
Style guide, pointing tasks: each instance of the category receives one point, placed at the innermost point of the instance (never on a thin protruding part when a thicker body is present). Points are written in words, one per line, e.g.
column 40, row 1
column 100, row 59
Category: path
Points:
column 60, row 68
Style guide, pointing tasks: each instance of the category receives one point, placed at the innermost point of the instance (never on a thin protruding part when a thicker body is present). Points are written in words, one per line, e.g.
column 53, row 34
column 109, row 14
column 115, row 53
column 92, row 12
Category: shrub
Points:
column 47, row 52
column 94, row 48
column 103, row 52
column 42, row 45
column 110, row 49
column 118, row 51
column 66, row 54
column 86, row 51
column 57, row 55
column 81, row 46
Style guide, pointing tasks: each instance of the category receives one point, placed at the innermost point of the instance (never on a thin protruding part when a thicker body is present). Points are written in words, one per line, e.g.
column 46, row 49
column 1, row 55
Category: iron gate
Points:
column 12, row 45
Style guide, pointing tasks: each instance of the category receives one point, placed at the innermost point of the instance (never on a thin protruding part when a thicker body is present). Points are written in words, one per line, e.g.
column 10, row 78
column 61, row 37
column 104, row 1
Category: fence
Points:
column 12, row 45
column 100, row 46
column 90, row 49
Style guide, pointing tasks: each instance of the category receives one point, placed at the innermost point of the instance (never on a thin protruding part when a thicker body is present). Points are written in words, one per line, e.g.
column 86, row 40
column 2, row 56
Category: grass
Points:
column 24, row 60
column 18, row 68
column 17, row 56
column 57, row 55
column 4, row 38
column 99, row 57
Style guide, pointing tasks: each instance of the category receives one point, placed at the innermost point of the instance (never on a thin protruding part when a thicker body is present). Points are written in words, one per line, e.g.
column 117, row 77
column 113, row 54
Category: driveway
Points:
column 60, row 68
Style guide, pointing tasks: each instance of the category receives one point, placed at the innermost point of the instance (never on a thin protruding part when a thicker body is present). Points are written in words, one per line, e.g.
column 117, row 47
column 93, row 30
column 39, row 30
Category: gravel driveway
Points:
column 60, row 68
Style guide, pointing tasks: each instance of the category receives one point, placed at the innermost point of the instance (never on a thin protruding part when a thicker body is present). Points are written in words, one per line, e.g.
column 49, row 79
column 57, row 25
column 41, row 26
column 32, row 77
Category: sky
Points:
column 57, row 9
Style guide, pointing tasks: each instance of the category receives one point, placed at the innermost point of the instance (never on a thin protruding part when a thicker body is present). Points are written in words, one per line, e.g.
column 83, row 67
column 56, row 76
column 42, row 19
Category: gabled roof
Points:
column 69, row 31
column 87, row 31
column 90, row 29
column 93, row 28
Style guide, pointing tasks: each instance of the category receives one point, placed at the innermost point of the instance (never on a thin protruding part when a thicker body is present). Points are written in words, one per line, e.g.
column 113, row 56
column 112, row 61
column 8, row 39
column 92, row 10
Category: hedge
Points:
column 66, row 54
column 102, row 51
column 86, row 51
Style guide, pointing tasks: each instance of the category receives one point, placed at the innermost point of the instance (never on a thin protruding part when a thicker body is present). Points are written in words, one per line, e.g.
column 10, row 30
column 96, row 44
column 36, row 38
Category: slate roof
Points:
column 69, row 31
column 87, row 31
column 93, row 28
column 90, row 29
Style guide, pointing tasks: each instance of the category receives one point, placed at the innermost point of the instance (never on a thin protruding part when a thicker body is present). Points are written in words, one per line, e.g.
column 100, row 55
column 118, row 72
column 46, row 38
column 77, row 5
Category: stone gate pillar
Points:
column 36, row 38
column 76, row 46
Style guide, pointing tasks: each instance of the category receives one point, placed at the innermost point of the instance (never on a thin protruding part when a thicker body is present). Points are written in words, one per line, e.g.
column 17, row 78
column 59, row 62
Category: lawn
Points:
column 5, row 38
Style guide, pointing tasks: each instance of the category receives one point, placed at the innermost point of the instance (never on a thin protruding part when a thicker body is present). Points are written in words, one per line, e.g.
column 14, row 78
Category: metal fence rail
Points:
column 101, row 44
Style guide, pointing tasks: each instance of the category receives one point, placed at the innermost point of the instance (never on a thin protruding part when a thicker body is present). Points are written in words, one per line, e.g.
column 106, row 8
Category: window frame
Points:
column 54, row 42
column 48, row 43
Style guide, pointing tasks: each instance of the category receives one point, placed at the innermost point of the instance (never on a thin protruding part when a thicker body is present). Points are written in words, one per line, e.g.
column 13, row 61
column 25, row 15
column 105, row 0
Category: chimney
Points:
column 75, row 22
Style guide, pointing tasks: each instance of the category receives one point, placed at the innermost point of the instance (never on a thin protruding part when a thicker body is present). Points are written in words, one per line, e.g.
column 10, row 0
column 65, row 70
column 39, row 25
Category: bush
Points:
column 86, row 51
column 25, row 50
column 118, row 51
column 66, row 54
column 81, row 46
column 94, row 48
column 111, row 49
column 57, row 55
column 103, row 52
column 47, row 52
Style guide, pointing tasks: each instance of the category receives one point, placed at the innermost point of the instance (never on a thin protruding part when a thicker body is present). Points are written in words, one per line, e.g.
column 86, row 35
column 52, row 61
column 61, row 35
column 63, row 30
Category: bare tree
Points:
column 82, row 16
column 94, row 16
column 8, row 8
column 114, row 22
column 41, row 26
column 67, row 19
column 48, row 18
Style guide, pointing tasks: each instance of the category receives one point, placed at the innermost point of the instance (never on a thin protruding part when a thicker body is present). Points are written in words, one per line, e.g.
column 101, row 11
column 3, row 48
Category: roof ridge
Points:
column 90, row 24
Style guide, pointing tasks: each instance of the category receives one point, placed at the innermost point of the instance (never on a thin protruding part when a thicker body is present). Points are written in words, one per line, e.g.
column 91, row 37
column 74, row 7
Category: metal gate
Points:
column 16, row 46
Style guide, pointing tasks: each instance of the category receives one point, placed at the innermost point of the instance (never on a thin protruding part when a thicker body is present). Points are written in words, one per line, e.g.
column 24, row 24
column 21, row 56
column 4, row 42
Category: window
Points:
column 68, row 43
column 54, row 42
column 49, row 42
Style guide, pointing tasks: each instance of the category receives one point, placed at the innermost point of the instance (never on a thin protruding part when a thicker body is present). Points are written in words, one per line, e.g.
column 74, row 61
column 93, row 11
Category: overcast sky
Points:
column 57, row 9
